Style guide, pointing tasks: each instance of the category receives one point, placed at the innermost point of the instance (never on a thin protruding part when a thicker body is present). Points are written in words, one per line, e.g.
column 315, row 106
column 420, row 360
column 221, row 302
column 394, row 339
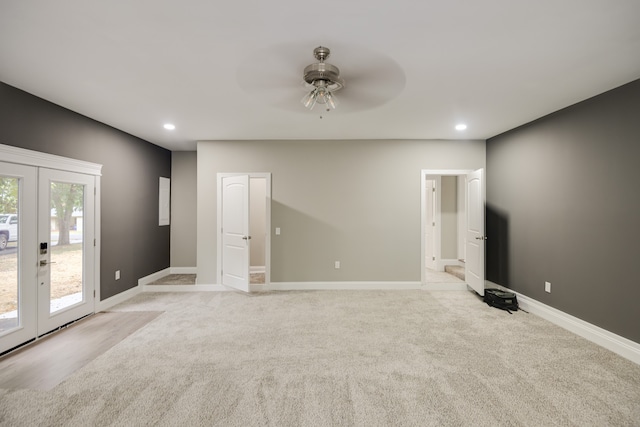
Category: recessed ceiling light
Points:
column 169, row 126
column 461, row 126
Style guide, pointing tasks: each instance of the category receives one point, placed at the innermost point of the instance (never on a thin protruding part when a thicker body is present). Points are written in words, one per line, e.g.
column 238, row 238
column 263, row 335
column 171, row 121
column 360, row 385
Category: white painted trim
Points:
column 622, row 346
column 323, row 286
column 153, row 277
column 445, row 286
column 257, row 269
column 185, row 288
column 51, row 161
column 184, row 270
column 442, row 263
column 118, row 298
column 97, row 226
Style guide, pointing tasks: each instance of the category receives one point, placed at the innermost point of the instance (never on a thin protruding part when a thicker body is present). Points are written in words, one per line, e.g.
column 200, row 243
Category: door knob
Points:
column 246, row 238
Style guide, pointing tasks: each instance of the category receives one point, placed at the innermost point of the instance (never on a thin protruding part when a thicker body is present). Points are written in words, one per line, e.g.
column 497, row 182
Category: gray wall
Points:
column 183, row 208
column 258, row 216
column 449, row 218
column 357, row 202
column 132, row 241
column 562, row 207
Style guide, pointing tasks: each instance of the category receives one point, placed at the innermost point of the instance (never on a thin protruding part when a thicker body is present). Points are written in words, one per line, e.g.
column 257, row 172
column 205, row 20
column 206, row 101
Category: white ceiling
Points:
column 232, row 70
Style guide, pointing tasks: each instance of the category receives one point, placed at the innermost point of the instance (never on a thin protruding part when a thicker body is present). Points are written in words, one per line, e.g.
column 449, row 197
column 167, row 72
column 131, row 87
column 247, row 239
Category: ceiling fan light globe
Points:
column 309, row 100
column 332, row 101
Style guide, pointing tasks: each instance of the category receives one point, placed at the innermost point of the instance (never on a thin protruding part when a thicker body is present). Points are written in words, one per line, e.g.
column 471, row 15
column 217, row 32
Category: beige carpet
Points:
column 338, row 358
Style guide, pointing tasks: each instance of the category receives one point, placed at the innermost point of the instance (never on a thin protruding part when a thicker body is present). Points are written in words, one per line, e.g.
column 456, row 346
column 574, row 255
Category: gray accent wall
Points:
column 353, row 201
column 183, row 208
column 132, row 241
column 562, row 206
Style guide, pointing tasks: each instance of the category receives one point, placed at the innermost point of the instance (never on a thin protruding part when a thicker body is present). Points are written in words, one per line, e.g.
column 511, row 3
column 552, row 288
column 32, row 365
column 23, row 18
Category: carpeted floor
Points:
column 366, row 358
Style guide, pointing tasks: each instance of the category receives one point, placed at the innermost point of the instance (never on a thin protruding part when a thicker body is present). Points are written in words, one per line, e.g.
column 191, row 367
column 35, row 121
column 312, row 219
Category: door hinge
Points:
column 95, row 191
column 433, row 258
column 434, row 224
column 94, row 242
column 433, row 189
column 94, row 293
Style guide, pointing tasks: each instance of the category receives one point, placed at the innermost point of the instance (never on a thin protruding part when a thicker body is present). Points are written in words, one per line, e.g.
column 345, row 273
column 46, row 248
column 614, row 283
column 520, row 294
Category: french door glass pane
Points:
column 9, row 262
column 66, row 241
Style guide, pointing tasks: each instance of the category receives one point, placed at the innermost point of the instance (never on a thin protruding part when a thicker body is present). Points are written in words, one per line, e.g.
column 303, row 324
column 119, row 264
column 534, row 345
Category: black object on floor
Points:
column 501, row 299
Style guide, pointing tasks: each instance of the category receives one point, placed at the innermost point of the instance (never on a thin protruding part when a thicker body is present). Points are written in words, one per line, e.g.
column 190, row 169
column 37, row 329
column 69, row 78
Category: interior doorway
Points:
column 443, row 228
column 244, row 218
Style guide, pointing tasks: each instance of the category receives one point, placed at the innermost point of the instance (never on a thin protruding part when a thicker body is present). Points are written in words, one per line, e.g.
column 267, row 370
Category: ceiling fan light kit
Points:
column 323, row 79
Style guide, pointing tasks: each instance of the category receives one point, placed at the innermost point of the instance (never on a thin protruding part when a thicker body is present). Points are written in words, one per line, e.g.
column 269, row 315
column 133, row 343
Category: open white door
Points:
column 235, row 232
column 430, row 224
column 474, row 266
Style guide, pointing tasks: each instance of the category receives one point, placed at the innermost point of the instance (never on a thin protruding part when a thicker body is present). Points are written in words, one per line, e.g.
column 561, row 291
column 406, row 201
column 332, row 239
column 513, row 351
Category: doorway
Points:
column 48, row 268
column 244, row 218
column 445, row 224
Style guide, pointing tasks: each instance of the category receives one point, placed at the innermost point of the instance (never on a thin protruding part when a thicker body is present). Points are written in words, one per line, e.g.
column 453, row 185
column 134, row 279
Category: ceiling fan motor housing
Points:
column 323, row 72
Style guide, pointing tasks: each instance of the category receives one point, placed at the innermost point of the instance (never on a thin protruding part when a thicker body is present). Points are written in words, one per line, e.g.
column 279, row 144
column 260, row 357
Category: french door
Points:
column 47, row 268
column 65, row 247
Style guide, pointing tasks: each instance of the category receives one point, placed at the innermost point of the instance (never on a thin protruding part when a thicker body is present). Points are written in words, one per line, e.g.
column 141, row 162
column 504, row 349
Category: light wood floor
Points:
column 50, row 360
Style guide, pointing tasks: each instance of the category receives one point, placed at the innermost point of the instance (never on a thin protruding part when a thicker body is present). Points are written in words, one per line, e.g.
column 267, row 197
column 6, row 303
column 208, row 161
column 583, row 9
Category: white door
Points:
column 474, row 266
column 18, row 190
column 66, row 245
column 235, row 232
column 430, row 226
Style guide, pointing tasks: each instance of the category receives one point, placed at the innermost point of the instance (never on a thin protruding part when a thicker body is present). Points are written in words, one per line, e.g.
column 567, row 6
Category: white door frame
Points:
column 21, row 156
column 423, row 203
column 267, row 249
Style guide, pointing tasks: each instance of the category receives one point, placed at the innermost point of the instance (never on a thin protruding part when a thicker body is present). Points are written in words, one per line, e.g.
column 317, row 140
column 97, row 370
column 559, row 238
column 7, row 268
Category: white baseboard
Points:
column 184, row 288
column 444, row 286
column 153, row 277
column 257, row 269
column 323, row 286
column 622, row 346
column 184, row 270
column 118, row 298
column 442, row 263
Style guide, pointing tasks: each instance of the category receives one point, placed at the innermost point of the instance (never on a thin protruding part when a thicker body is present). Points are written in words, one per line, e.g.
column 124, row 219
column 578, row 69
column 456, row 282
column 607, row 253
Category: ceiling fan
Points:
column 323, row 79
column 272, row 75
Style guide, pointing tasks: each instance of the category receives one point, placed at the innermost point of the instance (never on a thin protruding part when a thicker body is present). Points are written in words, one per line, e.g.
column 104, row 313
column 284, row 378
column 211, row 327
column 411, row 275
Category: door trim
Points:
column 267, row 243
column 26, row 157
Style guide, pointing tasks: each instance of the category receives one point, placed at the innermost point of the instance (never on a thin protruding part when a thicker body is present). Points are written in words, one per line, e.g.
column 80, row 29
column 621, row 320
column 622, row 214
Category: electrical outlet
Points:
column 117, row 274
column 337, row 265
column 547, row 287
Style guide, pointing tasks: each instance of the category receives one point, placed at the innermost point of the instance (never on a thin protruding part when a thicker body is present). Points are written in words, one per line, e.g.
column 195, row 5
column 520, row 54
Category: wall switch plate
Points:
column 547, row 287
column 337, row 265
column 277, row 231
column 117, row 274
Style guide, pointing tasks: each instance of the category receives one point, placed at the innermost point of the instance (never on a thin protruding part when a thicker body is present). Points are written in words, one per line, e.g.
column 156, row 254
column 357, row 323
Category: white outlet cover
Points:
column 547, row 287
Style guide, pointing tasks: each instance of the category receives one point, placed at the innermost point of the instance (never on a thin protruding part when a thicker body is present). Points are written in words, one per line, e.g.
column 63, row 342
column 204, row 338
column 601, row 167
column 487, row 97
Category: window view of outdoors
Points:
column 8, row 253
column 66, row 251
column 66, row 245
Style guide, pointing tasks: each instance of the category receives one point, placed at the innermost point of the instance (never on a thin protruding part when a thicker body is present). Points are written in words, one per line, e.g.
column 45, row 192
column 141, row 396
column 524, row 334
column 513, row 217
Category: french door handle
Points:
column 44, row 263
column 246, row 237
